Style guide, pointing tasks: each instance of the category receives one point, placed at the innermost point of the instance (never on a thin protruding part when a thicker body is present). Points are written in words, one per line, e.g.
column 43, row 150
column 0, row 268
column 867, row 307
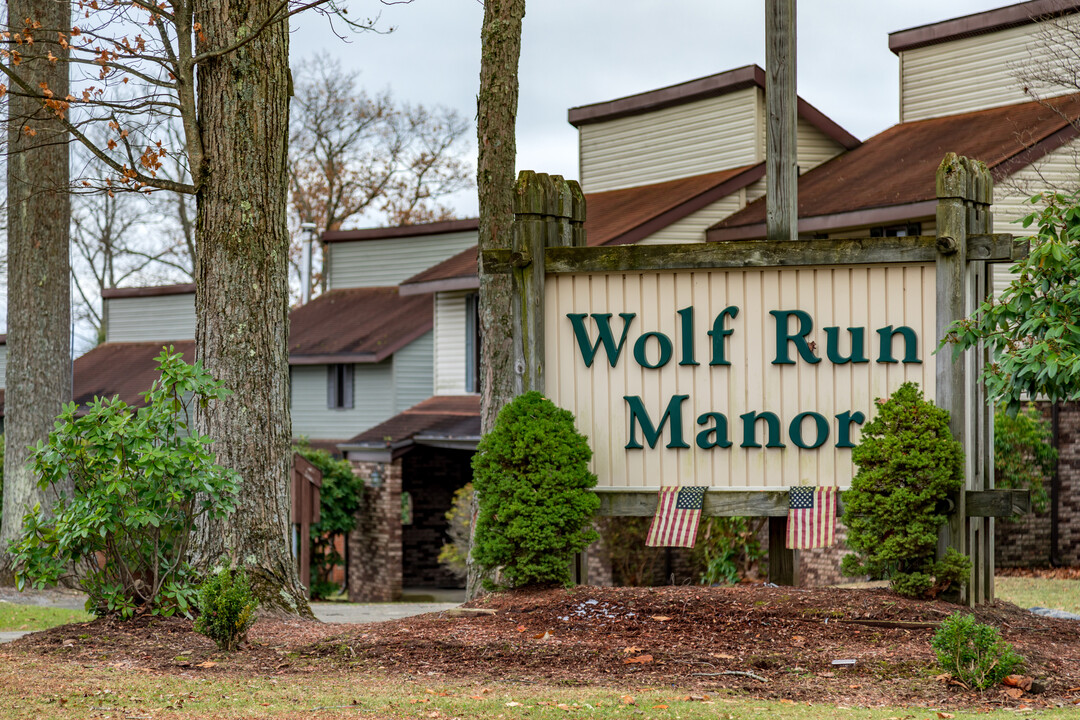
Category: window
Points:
column 339, row 387
column 472, row 343
column 906, row 230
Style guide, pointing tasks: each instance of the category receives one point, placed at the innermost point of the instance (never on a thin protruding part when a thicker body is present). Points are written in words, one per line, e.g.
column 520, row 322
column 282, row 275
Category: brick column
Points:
column 375, row 544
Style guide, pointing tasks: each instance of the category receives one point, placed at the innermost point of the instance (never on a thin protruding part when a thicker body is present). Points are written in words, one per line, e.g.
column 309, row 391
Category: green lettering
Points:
column 605, row 338
column 858, row 345
column 911, row 344
column 783, row 337
column 686, row 318
column 749, row 421
column 638, row 415
column 843, row 427
column 718, row 431
column 662, row 340
column 795, row 430
column 718, row 333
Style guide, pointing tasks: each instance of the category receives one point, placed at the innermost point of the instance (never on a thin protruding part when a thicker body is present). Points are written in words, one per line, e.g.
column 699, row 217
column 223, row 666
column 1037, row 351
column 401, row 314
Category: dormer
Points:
column 153, row 314
column 974, row 62
column 383, row 257
column 702, row 126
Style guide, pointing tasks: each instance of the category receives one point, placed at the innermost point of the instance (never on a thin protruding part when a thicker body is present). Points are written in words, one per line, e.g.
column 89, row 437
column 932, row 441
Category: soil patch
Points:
column 766, row 642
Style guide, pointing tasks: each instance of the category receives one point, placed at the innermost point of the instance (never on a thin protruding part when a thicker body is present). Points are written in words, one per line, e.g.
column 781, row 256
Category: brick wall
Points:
column 1026, row 541
column 375, row 544
column 430, row 476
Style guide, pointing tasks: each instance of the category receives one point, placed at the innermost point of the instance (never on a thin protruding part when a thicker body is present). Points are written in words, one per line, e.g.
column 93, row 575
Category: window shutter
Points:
column 331, row 386
column 347, row 382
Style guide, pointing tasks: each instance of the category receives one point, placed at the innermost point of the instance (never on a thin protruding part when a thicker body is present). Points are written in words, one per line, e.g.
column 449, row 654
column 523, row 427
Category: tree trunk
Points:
column 241, row 291
column 496, row 115
column 39, row 291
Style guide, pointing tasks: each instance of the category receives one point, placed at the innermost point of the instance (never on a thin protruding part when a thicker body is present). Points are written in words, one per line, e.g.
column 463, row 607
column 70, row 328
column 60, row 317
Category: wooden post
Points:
column 781, row 105
column 965, row 191
column 548, row 212
column 781, row 199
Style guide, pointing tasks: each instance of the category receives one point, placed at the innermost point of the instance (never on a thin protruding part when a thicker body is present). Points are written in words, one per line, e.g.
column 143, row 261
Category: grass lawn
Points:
column 1040, row 592
column 34, row 617
column 45, row 690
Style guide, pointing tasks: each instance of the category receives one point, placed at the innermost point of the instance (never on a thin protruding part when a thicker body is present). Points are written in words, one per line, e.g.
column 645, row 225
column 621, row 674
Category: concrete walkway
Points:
column 327, row 612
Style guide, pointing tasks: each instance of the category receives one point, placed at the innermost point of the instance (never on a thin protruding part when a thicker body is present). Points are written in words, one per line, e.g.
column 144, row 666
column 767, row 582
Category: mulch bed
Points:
column 753, row 640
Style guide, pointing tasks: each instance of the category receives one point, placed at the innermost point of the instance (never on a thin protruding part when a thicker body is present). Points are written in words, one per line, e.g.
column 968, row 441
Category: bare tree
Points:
column 496, row 117
column 220, row 71
column 356, row 156
column 38, row 210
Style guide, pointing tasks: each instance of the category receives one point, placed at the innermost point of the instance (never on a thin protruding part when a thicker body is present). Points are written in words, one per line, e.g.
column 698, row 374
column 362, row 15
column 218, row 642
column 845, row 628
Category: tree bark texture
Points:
column 496, row 116
column 39, row 294
column 241, row 291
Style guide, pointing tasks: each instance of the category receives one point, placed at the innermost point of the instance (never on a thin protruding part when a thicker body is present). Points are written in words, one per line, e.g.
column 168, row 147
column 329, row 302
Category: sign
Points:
column 747, row 378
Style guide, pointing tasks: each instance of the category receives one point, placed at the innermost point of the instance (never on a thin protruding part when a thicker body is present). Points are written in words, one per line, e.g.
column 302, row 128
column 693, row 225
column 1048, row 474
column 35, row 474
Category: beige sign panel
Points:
column 748, row 379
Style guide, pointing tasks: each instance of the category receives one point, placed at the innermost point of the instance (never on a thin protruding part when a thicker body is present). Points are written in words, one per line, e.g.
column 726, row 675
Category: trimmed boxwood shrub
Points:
column 532, row 478
column 908, row 462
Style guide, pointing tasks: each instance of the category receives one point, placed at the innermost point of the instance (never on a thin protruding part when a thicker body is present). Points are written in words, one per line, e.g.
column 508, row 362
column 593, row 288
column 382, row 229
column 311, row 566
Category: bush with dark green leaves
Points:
column 226, row 607
column 532, row 478
column 339, row 499
column 974, row 653
column 908, row 462
column 140, row 479
column 1023, row 454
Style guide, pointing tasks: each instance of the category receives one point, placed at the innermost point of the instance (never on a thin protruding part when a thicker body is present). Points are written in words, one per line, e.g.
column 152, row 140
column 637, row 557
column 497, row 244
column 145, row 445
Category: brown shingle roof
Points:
column 700, row 89
column 897, row 167
column 614, row 217
column 625, row 216
column 979, row 23
column 448, row 417
column 385, row 233
column 121, row 369
column 358, row 325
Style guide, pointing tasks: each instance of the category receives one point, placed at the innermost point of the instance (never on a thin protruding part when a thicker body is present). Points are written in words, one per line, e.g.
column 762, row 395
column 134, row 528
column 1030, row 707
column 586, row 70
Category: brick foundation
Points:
column 375, row 544
column 1026, row 542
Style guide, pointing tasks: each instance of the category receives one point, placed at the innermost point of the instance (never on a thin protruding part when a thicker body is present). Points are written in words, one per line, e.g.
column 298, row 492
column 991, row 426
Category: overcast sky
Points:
column 577, row 52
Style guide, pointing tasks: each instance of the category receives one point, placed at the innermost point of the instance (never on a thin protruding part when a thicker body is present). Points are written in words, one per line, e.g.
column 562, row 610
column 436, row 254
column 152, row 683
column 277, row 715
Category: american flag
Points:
column 677, row 514
column 811, row 517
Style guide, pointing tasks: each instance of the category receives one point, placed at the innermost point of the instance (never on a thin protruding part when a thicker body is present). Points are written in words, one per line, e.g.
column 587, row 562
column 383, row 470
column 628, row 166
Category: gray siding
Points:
column 413, row 371
column 381, row 263
column 373, row 401
column 142, row 319
column 3, row 366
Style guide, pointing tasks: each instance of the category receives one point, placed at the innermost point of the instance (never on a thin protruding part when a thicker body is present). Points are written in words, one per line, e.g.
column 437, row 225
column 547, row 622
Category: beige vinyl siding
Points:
column 1057, row 170
column 969, row 73
column 141, row 319
column 3, row 367
column 856, row 296
column 690, row 139
column 381, row 263
column 450, row 343
column 413, row 372
column 692, row 227
column 373, row 401
column 813, row 147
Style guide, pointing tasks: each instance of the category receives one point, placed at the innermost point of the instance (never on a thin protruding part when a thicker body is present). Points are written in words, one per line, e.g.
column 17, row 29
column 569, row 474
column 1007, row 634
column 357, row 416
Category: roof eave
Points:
column 836, row 221
column 466, row 282
column 688, row 207
column 979, row 23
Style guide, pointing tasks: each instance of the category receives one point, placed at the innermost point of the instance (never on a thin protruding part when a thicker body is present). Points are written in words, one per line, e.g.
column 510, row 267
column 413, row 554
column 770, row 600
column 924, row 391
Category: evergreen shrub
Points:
column 908, row 462
column 226, row 607
column 140, row 479
column 532, row 478
column 974, row 653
